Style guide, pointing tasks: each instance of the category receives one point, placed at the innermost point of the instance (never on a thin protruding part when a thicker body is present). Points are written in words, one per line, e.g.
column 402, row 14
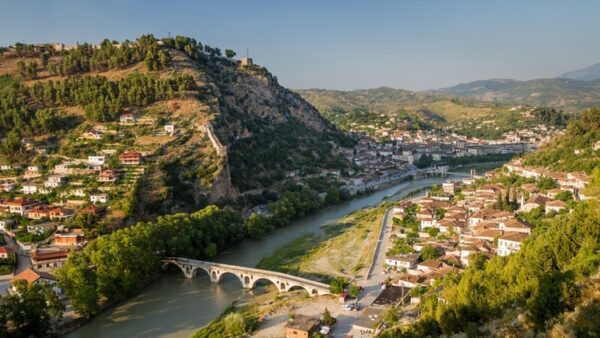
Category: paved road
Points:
column 371, row 285
column 23, row 258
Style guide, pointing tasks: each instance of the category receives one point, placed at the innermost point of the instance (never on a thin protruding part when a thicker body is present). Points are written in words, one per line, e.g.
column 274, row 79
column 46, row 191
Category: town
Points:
column 426, row 239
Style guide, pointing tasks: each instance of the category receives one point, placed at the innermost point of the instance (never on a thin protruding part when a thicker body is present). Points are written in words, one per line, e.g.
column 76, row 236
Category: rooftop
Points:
column 302, row 322
column 391, row 295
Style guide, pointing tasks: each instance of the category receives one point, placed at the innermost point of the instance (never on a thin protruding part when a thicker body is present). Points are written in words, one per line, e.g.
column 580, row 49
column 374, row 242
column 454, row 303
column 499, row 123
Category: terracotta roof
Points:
column 515, row 223
column 432, row 263
column 44, row 256
column 20, row 201
column 557, row 203
column 5, row 250
column 31, row 276
column 538, row 199
column 405, row 258
column 488, row 233
column 514, row 236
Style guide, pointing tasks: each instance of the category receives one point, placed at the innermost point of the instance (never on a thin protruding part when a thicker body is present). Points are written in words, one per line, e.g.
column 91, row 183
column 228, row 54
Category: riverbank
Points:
column 177, row 307
column 341, row 249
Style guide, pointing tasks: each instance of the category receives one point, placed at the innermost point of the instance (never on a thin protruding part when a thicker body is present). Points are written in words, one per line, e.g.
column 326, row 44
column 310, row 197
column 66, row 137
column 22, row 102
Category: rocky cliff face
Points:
column 253, row 131
column 266, row 128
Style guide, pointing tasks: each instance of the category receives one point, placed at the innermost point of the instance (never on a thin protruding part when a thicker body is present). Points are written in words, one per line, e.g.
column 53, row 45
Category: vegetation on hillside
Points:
column 396, row 109
column 573, row 151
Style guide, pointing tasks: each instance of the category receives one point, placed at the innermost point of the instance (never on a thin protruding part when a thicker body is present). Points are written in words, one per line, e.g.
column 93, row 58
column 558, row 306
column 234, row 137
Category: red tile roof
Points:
column 31, row 276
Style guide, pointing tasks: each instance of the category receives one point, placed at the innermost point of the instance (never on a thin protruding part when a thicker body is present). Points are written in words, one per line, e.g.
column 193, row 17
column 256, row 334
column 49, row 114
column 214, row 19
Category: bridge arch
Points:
column 248, row 277
column 239, row 276
column 280, row 285
column 295, row 287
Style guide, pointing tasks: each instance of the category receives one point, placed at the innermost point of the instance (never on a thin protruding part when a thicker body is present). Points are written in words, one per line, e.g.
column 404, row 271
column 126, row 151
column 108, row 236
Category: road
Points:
column 372, row 284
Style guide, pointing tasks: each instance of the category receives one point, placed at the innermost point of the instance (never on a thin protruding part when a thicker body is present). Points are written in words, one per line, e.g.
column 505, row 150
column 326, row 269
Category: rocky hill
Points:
column 208, row 127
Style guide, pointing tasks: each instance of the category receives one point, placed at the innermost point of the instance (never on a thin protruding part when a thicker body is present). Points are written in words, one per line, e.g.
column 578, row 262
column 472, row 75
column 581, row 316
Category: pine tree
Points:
column 327, row 319
column 499, row 201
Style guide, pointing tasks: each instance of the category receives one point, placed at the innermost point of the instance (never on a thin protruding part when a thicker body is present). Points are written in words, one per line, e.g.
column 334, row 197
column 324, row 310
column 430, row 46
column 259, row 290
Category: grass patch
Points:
column 232, row 323
column 341, row 249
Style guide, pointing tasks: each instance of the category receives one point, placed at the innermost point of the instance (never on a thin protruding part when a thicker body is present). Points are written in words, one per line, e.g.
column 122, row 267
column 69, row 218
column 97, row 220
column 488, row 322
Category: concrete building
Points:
column 301, row 326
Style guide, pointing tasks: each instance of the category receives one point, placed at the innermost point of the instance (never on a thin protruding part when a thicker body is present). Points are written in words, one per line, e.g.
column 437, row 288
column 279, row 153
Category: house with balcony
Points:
column 130, row 158
column 108, row 176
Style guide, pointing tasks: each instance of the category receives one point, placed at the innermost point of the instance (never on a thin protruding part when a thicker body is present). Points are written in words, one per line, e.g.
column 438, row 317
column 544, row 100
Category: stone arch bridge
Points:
column 247, row 276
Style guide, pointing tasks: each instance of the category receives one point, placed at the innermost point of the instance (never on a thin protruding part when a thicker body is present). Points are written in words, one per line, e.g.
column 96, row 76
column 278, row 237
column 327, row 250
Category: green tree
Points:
column 327, row 318
column 338, row 285
column 353, row 291
column 257, row 225
column 79, row 281
column 229, row 53
column 235, row 325
column 30, row 309
column 430, row 252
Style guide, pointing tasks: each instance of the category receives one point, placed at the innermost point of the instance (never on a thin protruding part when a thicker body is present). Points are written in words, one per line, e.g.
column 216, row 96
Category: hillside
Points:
column 396, row 109
column 577, row 150
column 590, row 73
column 207, row 127
column 570, row 95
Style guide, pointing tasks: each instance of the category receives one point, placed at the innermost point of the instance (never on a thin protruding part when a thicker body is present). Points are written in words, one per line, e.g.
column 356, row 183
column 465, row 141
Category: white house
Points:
column 555, row 206
column 407, row 261
column 29, row 189
column 170, row 129
column 510, row 243
column 96, row 160
column 7, row 186
column 99, row 198
column 54, row 181
column 41, row 228
column 79, row 192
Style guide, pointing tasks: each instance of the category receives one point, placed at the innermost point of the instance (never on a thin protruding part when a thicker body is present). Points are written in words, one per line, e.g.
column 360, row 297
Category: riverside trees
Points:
column 121, row 263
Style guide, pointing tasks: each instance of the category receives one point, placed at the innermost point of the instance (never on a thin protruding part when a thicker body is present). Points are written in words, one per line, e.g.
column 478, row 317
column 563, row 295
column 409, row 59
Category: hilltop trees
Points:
column 110, row 55
column 230, row 53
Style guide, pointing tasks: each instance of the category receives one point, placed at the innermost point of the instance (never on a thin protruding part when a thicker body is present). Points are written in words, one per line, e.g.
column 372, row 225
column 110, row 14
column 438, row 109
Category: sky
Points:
column 342, row 44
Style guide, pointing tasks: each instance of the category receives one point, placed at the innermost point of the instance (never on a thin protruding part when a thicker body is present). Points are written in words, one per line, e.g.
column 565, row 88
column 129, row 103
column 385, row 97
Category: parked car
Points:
column 348, row 307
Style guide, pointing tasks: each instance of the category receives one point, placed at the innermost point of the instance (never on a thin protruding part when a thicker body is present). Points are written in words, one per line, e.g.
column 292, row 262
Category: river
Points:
column 176, row 307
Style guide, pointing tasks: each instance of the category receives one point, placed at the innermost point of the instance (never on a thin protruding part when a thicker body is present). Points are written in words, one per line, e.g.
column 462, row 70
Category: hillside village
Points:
column 431, row 238
column 205, row 141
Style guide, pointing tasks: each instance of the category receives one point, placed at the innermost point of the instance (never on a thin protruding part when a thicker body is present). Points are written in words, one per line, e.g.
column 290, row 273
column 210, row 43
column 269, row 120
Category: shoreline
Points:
column 78, row 322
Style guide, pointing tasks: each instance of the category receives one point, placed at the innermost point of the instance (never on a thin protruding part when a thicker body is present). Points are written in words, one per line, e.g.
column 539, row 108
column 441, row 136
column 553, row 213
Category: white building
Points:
column 29, row 189
column 407, row 261
column 99, row 198
column 54, row 181
column 170, row 129
column 510, row 243
column 96, row 160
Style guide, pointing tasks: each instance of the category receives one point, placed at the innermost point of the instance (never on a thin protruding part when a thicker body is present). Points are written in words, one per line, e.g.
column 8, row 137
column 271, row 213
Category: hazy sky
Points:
column 342, row 44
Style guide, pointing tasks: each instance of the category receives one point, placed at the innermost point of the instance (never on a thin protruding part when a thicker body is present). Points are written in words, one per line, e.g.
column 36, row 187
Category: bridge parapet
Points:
column 247, row 276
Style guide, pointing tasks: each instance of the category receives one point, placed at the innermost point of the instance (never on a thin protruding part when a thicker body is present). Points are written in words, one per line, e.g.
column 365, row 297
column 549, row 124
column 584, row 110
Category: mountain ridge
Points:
column 589, row 73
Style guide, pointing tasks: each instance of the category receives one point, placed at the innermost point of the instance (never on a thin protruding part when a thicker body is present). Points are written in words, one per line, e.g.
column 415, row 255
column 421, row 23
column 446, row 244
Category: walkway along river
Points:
column 176, row 307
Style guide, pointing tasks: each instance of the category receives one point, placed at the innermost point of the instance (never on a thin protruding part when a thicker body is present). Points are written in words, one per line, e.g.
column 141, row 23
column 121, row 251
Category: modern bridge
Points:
column 247, row 276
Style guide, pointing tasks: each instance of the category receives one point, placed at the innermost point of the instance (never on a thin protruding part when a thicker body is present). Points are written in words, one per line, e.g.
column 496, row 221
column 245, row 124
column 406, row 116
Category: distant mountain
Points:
column 567, row 94
column 590, row 73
